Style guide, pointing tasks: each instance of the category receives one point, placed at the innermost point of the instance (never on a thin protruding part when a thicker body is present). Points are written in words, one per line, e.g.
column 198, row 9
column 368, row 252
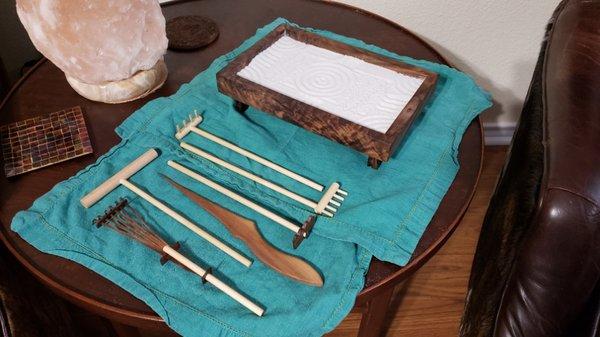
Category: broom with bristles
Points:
column 127, row 221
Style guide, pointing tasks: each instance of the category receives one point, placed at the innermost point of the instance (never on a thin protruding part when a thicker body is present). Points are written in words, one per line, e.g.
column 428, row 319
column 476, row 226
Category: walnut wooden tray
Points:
column 328, row 98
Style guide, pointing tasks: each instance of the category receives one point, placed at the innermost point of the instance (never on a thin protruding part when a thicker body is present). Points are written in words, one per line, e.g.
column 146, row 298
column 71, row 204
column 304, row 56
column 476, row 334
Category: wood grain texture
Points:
column 246, row 230
column 374, row 144
column 431, row 302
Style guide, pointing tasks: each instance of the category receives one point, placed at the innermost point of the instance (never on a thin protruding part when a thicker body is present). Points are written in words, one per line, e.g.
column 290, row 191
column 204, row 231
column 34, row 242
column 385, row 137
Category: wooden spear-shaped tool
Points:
column 246, row 231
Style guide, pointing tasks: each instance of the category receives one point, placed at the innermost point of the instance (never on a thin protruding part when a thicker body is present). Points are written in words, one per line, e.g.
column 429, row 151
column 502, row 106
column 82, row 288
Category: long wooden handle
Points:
column 190, row 225
column 247, row 231
column 250, row 175
column 258, row 159
column 99, row 192
column 257, row 208
column 214, row 281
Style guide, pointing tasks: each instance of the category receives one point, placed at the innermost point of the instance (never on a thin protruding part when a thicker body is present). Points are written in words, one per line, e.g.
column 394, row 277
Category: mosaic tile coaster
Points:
column 44, row 140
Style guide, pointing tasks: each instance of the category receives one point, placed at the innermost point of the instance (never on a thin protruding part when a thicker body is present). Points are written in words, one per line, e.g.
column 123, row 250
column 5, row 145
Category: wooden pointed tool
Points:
column 246, row 231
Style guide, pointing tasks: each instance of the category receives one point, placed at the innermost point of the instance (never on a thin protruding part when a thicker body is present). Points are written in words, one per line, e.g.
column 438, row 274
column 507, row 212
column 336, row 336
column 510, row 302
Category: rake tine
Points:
column 327, row 213
column 338, row 197
column 335, row 203
column 342, row 192
column 331, row 208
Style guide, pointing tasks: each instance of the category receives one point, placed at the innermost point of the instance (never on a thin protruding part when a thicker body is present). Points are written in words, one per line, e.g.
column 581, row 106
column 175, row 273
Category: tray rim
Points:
column 381, row 145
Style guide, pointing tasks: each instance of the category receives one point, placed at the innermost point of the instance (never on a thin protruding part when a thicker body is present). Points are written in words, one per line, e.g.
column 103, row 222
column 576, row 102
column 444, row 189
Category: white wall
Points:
column 496, row 41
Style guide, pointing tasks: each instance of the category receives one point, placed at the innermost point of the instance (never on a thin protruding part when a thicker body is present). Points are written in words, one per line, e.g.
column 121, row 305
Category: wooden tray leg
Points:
column 374, row 163
column 240, row 107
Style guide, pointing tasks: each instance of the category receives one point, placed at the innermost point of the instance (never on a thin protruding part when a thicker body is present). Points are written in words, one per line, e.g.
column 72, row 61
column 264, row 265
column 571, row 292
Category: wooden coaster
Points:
column 191, row 32
column 44, row 140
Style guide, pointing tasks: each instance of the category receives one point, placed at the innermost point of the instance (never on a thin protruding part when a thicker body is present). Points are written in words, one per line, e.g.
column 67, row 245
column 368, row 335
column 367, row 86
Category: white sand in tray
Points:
column 345, row 86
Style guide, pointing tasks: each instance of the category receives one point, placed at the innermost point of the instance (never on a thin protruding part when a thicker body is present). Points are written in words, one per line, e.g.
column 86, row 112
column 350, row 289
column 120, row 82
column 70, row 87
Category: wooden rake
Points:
column 327, row 205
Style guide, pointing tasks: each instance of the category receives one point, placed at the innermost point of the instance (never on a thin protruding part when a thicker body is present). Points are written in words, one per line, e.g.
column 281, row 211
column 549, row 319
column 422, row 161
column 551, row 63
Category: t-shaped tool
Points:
column 121, row 178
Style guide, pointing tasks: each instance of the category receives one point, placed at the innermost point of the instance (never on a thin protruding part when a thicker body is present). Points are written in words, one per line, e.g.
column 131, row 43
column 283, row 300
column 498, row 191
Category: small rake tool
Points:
column 127, row 221
column 121, row 178
column 328, row 204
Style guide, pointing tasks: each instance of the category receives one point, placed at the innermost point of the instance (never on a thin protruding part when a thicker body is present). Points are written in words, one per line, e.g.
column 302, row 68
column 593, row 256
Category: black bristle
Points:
column 110, row 212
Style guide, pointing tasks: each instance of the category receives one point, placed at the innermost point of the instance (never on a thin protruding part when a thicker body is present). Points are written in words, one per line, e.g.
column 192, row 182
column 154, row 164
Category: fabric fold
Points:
column 385, row 213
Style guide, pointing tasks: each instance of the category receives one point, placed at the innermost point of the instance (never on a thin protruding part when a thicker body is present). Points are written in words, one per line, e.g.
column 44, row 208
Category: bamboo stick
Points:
column 258, row 159
column 111, row 183
column 248, row 203
column 210, row 278
column 190, row 225
column 192, row 125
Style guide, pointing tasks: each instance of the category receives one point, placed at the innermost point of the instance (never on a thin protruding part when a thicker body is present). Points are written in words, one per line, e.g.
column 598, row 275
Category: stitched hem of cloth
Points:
column 354, row 284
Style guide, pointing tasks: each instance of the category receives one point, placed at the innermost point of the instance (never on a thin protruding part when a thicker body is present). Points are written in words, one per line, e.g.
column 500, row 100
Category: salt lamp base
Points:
column 143, row 83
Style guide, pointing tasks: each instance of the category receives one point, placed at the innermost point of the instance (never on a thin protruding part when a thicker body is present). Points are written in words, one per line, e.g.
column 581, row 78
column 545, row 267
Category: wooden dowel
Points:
column 326, row 198
column 191, row 226
column 257, row 158
column 249, row 175
column 250, row 204
column 210, row 278
column 112, row 182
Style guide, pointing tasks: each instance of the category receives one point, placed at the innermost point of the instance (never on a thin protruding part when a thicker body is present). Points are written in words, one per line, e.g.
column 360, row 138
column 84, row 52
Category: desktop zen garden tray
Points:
column 349, row 95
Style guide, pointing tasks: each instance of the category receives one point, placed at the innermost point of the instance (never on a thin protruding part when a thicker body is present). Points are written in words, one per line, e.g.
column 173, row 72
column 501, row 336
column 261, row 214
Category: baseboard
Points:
column 498, row 134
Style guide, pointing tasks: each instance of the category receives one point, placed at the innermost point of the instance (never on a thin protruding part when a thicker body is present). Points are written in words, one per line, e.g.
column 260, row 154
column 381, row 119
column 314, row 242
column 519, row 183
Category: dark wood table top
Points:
column 44, row 89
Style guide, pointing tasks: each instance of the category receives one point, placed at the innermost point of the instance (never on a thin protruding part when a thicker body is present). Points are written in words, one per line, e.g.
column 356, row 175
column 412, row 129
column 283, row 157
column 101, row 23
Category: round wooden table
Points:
column 44, row 89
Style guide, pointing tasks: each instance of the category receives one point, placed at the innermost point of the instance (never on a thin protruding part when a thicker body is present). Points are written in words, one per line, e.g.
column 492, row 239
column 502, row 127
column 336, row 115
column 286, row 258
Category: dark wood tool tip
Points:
column 304, row 231
column 206, row 273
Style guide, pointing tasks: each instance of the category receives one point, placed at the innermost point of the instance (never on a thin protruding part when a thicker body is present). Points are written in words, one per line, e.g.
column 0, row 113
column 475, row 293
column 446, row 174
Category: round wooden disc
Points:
column 191, row 32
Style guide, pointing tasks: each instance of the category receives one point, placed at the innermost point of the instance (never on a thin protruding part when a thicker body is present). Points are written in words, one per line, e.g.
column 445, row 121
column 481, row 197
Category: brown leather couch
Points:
column 537, row 267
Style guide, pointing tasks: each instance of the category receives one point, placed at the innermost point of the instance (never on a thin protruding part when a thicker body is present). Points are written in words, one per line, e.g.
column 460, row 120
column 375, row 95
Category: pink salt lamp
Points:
column 110, row 50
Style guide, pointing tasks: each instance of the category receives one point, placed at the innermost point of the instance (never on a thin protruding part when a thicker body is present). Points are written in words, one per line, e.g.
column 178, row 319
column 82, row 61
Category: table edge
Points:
column 96, row 304
column 415, row 264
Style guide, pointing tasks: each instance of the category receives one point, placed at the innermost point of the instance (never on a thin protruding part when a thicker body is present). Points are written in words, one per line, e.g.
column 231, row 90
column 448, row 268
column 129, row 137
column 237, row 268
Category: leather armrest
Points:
column 571, row 85
column 558, row 267
column 556, row 271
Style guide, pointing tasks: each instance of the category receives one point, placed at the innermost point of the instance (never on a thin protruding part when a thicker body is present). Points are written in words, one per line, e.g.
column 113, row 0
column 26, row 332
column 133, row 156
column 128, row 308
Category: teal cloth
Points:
column 384, row 214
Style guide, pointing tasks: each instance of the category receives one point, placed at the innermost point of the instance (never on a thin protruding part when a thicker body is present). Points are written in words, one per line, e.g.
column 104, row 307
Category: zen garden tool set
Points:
column 127, row 221
column 318, row 103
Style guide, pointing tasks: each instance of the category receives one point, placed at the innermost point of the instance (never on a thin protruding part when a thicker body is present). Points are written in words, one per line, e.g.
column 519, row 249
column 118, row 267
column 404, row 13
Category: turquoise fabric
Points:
column 384, row 215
